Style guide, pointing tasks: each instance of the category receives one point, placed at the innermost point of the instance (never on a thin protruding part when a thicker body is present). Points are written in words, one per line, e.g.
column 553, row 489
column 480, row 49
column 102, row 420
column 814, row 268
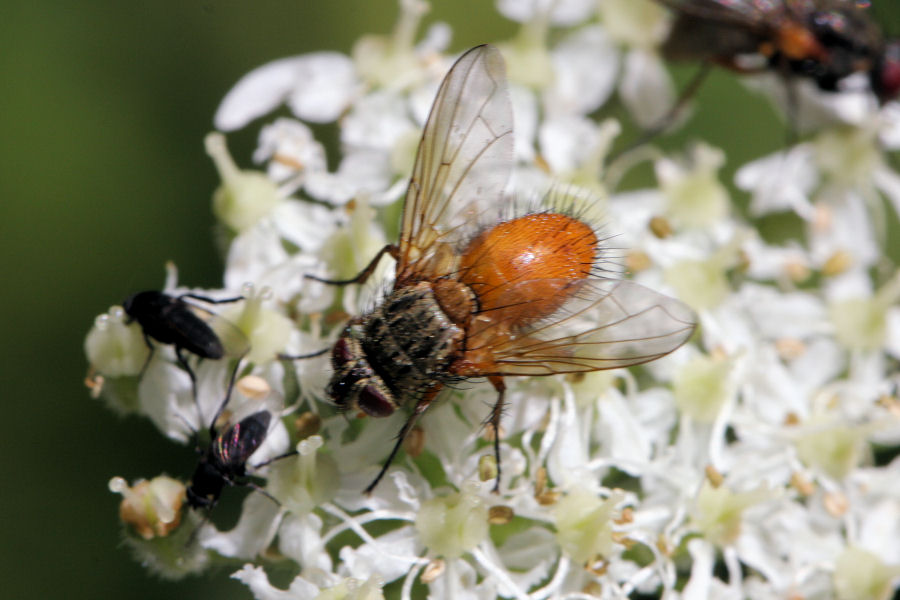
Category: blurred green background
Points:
column 103, row 178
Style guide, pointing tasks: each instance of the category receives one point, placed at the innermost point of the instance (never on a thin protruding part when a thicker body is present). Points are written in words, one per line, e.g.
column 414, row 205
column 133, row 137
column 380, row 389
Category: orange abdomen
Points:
column 525, row 269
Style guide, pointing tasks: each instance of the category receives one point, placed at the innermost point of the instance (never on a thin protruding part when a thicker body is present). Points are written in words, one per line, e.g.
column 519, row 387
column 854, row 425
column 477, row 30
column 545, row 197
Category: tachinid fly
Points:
column 477, row 296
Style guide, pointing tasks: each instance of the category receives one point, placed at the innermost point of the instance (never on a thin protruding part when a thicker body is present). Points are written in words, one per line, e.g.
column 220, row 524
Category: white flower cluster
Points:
column 740, row 466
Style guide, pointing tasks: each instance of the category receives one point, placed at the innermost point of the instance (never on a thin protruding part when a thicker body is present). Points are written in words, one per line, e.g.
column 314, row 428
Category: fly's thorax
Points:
column 411, row 341
column 392, row 355
column 442, row 258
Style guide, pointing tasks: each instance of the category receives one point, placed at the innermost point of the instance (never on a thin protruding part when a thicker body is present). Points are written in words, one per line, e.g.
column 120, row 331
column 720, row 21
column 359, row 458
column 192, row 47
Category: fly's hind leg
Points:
column 494, row 421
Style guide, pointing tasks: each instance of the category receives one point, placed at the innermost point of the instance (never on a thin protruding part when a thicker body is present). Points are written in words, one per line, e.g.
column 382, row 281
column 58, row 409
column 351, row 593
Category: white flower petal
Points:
column 560, row 12
column 623, row 436
column 325, row 85
column 258, row 92
column 698, row 586
column 893, row 332
column 390, row 557
column 308, row 226
column 525, row 116
column 567, row 141
column 253, row 533
column 318, row 87
column 850, row 229
column 256, row 579
column 361, row 172
column 889, row 183
column 646, row 87
column 292, row 152
column 889, row 132
column 166, row 397
column 300, row 538
column 585, row 66
column 782, row 181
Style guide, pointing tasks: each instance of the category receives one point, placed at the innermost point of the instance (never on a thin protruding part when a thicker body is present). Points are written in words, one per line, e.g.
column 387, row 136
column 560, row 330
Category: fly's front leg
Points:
column 282, row 356
column 363, row 275
column 420, row 408
column 209, row 300
column 152, row 349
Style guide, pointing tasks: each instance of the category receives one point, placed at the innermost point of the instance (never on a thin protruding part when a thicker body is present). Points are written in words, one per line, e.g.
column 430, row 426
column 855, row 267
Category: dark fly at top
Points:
column 824, row 41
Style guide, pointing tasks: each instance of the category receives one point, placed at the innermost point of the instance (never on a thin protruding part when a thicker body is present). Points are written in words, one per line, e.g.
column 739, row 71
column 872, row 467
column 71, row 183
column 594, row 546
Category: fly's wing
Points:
column 464, row 159
column 224, row 338
column 605, row 324
column 233, row 447
column 719, row 29
column 744, row 13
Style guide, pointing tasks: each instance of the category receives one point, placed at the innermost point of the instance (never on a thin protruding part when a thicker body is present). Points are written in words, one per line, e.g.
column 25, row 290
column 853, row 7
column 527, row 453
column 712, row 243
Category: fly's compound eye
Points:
column 886, row 74
column 341, row 354
column 374, row 403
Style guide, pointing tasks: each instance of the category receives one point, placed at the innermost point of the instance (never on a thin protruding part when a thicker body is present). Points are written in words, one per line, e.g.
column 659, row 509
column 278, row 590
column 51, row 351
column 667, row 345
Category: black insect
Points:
column 224, row 462
column 170, row 320
column 824, row 41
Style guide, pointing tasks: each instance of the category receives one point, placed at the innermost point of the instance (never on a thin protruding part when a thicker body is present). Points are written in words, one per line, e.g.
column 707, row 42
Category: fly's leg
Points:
column 152, row 349
column 184, row 365
column 420, row 408
column 211, row 300
column 231, row 382
column 494, row 421
column 671, row 115
column 303, row 356
column 363, row 275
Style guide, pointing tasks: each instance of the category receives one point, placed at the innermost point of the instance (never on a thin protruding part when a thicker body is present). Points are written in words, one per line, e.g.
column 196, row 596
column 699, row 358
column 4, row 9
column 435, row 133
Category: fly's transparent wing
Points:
column 605, row 324
column 234, row 446
column 747, row 13
column 213, row 335
column 464, row 159
column 234, row 341
column 719, row 29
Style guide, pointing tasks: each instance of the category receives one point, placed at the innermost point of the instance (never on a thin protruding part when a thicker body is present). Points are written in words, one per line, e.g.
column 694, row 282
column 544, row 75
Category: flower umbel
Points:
column 750, row 463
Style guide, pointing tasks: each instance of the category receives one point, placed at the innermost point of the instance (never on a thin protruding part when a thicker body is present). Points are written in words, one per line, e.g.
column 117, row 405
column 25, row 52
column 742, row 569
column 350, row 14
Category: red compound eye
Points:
column 341, row 353
column 886, row 76
column 372, row 402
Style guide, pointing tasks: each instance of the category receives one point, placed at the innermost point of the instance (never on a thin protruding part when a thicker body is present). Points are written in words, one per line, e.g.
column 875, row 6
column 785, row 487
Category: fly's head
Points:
column 354, row 383
column 206, row 486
